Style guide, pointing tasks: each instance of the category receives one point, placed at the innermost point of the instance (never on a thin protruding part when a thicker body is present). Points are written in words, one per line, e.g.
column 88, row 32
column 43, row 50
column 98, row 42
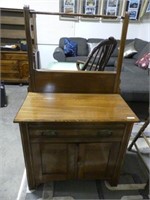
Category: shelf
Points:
column 14, row 63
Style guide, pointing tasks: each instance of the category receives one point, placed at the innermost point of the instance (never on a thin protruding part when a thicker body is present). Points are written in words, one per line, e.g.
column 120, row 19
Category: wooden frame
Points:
column 90, row 7
column 68, row 7
column 37, row 77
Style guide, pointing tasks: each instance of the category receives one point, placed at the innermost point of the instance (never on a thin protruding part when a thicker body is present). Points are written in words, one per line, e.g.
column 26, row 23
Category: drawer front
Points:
column 7, row 65
column 10, row 75
column 14, row 56
column 102, row 132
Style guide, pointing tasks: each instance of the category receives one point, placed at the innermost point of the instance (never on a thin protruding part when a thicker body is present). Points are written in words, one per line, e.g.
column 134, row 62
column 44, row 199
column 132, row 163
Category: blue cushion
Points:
column 70, row 47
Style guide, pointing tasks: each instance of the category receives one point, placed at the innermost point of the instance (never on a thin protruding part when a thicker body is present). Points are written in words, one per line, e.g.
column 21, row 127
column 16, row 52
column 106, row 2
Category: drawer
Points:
column 9, row 75
column 7, row 65
column 102, row 131
column 14, row 56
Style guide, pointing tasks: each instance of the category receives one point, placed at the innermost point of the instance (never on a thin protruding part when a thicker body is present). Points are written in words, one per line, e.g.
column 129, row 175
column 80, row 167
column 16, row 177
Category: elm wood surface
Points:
column 74, row 136
column 72, row 81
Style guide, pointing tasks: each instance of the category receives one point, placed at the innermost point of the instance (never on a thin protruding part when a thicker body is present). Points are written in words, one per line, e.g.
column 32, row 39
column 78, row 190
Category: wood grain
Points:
column 61, row 107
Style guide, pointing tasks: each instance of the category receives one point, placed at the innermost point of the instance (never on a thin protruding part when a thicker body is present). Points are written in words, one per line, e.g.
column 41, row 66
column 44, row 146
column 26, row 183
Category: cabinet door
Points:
column 53, row 161
column 96, row 159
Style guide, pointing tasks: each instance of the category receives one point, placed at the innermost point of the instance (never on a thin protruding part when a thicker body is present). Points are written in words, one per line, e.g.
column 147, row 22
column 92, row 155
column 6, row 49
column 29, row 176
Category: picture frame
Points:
column 90, row 7
column 112, row 8
column 133, row 8
column 69, row 7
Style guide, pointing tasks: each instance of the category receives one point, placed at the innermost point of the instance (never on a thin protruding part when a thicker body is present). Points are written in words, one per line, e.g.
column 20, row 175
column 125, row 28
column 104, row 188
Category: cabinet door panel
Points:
column 94, row 160
column 53, row 161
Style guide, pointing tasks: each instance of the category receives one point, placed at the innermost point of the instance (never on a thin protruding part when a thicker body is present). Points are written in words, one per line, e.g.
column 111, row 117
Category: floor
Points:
column 12, row 166
column 11, row 159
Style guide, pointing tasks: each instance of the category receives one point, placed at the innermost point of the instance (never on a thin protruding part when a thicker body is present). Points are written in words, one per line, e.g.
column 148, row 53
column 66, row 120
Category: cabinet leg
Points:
column 112, row 183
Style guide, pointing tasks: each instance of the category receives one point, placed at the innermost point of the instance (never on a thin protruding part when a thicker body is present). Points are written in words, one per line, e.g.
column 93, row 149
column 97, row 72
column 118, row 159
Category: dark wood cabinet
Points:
column 14, row 66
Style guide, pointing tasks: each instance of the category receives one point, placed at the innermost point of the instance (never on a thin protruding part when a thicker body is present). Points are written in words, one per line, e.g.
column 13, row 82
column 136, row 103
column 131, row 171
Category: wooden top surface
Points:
column 63, row 107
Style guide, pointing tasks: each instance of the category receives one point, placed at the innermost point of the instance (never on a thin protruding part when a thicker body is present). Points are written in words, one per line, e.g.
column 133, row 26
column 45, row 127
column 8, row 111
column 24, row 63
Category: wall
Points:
column 50, row 28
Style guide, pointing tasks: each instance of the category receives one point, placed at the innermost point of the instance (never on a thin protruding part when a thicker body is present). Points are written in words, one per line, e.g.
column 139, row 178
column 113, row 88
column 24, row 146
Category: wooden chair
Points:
column 99, row 56
column 139, row 134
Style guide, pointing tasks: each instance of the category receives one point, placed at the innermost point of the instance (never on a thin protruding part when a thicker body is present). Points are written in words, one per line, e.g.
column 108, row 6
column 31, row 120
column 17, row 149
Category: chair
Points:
column 99, row 56
column 138, row 135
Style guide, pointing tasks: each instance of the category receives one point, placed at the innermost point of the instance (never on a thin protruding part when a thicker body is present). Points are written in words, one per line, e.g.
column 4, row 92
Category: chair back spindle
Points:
column 99, row 56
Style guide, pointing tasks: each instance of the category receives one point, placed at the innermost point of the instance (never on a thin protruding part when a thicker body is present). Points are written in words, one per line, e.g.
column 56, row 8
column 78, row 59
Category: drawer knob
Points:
column 104, row 133
column 49, row 133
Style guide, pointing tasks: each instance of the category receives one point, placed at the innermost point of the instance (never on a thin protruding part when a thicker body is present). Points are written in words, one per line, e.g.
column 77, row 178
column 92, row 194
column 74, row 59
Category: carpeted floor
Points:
column 11, row 154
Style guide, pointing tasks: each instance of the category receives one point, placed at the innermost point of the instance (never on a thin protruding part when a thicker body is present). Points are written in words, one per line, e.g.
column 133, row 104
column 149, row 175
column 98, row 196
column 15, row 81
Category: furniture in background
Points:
column 134, row 80
column 14, row 67
column 14, row 60
column 135, row 50
column 138, row 135
column 99, row 56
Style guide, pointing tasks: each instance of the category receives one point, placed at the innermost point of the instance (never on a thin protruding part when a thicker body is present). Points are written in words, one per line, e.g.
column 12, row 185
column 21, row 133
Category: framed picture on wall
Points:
column 68, row 7
column 133, row 7
column 112, row 8
column 90, row 7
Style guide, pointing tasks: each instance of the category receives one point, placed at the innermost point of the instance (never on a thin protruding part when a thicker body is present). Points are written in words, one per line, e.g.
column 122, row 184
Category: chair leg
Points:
column 139, row 134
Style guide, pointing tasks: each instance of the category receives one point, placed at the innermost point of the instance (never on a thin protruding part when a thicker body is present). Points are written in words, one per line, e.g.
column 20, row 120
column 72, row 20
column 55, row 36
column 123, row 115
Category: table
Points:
column 65, row 66
column 74, row 136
